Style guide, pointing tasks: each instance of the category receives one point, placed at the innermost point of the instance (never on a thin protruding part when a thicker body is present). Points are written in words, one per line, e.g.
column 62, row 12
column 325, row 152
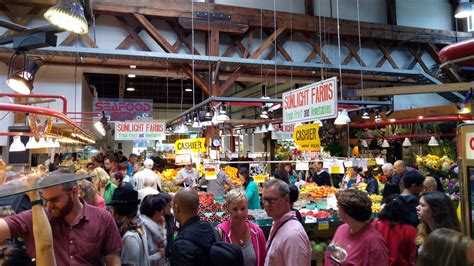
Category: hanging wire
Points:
column 261, row 41
column 320, row 41
column 339, row 47
column 360, row 53
column 192, row 55
column 291, row 40
column 276, row 53
column 167, row 88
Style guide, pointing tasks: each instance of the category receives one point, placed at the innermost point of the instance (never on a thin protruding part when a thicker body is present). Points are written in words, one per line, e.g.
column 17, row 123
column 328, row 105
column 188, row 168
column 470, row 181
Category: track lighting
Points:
column 21, row 79
column 17, row 145
column 68, row 15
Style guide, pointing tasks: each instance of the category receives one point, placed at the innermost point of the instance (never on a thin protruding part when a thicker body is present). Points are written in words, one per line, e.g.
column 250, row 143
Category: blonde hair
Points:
column 88, row 192
column 81, row 172
column 235, row 195
column 101, row 177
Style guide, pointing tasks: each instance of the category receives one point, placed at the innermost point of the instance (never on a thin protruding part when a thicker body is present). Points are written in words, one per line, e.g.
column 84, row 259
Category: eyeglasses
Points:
column 270, row 200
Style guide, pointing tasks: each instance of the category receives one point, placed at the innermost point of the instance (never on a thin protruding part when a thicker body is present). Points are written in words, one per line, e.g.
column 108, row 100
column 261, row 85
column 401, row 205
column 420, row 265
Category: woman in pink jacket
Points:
column 241, row 232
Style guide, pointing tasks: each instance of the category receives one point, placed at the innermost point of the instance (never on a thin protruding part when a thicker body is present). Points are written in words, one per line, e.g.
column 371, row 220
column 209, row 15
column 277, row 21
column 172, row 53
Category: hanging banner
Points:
column 317, row 101
column 140, row 130
column 307, row 137
column 124, row 109
column 196, row 145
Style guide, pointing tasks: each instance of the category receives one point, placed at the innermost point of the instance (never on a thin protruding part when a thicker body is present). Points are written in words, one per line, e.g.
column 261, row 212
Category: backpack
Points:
column 221, row 253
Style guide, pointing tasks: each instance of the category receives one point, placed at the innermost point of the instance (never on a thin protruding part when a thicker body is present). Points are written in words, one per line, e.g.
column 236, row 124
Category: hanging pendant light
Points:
column 433, row 142
column 263, row 129
column 17, row 145
column 270, row 127
column 50, row 143
column 366, row 115
column 32, row 143
column 339, row 119
column 42, row 143
column 406, row 143
column 264, row 113
column 196, row 123
column 257, row 130
column 318, row 122
column 464, row 10
column 222, row 114
column 378, row 117
column 385, row 144
column 56, row 143
column 68, row 15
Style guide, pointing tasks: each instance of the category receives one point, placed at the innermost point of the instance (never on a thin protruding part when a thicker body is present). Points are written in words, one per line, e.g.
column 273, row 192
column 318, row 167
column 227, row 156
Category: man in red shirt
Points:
column 83, row 234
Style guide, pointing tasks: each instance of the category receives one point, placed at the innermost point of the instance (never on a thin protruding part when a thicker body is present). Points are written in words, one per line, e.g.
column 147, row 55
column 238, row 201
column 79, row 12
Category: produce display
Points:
column 361, row 186
column 376, row 207
column 317, row 214
column 376, row 198
column 169, row 174
column 212, row 211
column 318, row 246
column 312, row 190
column 232, row 173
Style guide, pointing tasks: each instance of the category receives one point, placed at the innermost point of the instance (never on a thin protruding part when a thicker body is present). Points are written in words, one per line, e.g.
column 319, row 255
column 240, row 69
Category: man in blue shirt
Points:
column 131, row 163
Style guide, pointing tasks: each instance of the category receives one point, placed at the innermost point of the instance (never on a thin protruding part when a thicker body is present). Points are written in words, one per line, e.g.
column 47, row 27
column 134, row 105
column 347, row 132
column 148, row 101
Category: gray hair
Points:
column 278, row 184
column 388, row 166
column 235, row 195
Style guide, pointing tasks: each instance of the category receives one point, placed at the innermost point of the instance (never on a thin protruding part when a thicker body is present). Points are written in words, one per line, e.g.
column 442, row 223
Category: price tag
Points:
column 379, row 161
column 323, row 225
column 302, row 166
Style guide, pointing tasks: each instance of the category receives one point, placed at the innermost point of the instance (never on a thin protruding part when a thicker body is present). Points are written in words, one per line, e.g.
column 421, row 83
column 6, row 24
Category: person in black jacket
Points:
column 372, row 184
column 282, row 174
column 195, row 237
column 321, row 177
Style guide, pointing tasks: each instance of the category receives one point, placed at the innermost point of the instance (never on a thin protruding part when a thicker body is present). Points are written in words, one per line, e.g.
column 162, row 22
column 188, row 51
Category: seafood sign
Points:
column 317, row 101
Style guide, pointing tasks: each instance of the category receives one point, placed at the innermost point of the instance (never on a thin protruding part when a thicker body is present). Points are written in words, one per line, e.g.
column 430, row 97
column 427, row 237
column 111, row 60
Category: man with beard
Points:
column 82, row 234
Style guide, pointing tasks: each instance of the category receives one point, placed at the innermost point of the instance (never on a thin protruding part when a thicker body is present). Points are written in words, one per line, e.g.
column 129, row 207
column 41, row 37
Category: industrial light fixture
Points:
column 342, row 118
column 420, row 117
column 133, row 66
column 42, row 143
column 270, row 127
column 433, row 142
column 392, row 120
column 264, row 113
column 188, row 89
column 464, row 10
column 21, row 79
column 68, row 15
column 406, row 143
column 257, row 130
column 181, row 129
column 366, row 114
column 196, row 123
column 463, row 109
column 132, row 76
column 318, row 122
column 385, row 144
column 130, row 89
column 32, row 143
column 101, row 125
column 222, row 114
column 17, row 145
column 263, row 129
column 189, row 120
column 49, row 143
column 378, row 117
column 56, row 143
column 275, row 107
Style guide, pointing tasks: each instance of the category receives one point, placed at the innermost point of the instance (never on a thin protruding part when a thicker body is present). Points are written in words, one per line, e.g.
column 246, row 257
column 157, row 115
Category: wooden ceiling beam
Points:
column 246, row 16
column 133, row 33
column 183, row 36
column 205, row 25
column 265, row 44
column 387, row 55
column 316, row 50
column 401, row 90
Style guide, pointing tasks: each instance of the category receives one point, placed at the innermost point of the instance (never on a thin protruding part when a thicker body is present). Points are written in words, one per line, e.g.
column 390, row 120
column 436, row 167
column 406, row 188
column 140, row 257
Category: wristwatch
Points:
column 37, row 202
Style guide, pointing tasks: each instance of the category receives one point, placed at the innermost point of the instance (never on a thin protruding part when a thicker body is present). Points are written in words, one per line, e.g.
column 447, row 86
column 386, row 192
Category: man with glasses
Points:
column 288, row 243
column 109, row 165
column 82, row 234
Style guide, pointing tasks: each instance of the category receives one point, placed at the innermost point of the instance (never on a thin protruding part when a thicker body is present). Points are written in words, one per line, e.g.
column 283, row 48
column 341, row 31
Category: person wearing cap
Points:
column 82, row 234
column 147, row 172
column 187, row 176
column 124, row 208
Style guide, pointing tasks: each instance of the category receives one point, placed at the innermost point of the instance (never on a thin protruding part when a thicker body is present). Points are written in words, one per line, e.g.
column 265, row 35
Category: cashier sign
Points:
column 188, row 146
column 307, row 137
column 317, row 101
